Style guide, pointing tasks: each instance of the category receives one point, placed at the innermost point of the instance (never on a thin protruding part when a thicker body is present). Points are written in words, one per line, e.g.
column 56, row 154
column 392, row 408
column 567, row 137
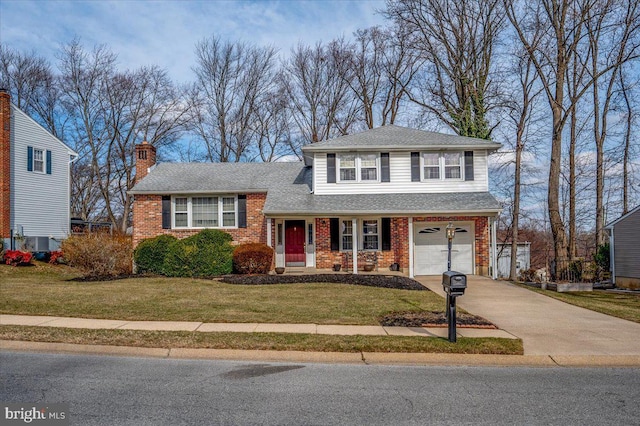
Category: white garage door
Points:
column 430, row 249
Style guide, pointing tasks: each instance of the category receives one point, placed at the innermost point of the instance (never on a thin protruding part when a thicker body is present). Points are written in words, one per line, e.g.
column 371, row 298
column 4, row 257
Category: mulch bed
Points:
column 384, row 281
column 433, row 319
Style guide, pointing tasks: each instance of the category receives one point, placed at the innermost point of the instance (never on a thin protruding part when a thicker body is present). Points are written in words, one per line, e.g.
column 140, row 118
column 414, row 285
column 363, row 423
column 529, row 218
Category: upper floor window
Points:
column 205, row 212
column 358, row 167
column 38, row 160
column 442, row 165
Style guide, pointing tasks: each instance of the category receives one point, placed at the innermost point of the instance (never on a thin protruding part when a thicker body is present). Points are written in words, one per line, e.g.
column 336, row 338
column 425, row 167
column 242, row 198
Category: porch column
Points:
column 354, row 227
column 411, row 274
column 269, row 243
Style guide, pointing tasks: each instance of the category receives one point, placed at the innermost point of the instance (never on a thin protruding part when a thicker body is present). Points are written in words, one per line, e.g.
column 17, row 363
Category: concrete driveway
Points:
column 545, row 325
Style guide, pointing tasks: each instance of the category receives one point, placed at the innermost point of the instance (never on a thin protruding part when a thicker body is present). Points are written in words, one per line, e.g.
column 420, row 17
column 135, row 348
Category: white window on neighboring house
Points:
column 360, row 167
column 205, row 212
column 38, row 160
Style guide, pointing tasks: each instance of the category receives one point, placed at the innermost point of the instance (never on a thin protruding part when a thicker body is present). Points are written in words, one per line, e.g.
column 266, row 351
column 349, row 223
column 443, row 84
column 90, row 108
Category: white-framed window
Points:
column 442, row 165
column 359, row 167
column 205, row 212
column 347, row 234
column 38, row 160
column 369, row 234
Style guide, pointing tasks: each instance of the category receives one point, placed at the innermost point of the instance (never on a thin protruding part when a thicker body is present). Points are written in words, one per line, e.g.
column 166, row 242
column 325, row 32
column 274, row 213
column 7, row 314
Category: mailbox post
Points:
column 454, row 284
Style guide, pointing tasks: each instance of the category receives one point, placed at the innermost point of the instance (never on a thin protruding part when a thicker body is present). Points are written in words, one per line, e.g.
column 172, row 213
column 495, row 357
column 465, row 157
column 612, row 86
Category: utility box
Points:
column 454, row 283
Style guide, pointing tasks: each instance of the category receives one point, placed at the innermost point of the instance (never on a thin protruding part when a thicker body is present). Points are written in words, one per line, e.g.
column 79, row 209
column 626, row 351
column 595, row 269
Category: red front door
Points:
column 294, row 243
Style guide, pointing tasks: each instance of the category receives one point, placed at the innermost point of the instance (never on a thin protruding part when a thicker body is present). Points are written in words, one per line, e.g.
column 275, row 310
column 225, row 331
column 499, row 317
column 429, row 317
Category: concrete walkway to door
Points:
column 546, row 326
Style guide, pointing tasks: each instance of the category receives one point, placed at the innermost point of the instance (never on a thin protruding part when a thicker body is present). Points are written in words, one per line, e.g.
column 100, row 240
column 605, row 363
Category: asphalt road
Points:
column 104, row 390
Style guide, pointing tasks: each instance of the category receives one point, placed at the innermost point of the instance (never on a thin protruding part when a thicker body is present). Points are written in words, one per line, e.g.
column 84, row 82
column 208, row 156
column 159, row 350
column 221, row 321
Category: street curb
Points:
column 369, row 358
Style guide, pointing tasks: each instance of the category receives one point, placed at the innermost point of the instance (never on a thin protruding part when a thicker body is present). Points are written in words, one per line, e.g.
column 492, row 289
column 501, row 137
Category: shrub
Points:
column 252, row 258
column 56, row 257
column 17, row 257
column 149, row 255
column 603, row 257
column 528, row 276
column 99, row 255
column 205, row 254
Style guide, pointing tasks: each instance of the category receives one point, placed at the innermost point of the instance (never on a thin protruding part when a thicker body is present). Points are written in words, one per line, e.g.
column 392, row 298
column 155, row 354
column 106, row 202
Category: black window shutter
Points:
column 29, row 159
column 335, row 233
column 166, row 212
column 386, row 233
column 384, row 167
column 468, row 165
column 331, row 168
column 415, row 167
column 48, row 162
column 242, row 211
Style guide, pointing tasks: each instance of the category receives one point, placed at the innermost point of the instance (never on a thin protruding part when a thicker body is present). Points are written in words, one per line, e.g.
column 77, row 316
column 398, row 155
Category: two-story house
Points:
column 388, row 192
column 34, row 182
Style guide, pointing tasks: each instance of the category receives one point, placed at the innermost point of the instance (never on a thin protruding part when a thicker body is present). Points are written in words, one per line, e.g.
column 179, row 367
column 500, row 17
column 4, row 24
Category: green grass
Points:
column 263, row 341
column 621, row 305
column 46, row 290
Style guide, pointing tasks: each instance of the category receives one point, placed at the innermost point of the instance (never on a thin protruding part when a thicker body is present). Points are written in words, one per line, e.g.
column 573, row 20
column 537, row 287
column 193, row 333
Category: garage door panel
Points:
column 431, row 246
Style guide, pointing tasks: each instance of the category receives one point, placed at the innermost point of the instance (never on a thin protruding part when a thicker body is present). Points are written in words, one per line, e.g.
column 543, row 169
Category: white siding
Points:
column 39, row 202
column 400, row 173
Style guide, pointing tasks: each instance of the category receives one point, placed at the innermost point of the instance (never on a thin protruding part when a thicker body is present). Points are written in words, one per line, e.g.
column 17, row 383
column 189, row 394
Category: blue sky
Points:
column 164, row 33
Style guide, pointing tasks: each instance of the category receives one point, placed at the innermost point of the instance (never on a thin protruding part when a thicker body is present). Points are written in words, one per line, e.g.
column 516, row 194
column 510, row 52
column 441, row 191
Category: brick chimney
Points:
column 145, row 159
column 5, row 164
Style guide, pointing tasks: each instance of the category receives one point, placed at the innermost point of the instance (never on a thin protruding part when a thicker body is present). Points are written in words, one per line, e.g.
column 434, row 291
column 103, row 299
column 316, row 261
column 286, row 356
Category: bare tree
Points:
column 457, row 41
column 230, row 80
column 629, row 120
column 383, row 66
column 613, row 28
column 316, row 81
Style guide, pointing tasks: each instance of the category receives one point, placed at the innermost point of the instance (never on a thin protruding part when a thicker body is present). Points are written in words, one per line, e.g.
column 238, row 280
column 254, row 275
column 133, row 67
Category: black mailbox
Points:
column 454, row 283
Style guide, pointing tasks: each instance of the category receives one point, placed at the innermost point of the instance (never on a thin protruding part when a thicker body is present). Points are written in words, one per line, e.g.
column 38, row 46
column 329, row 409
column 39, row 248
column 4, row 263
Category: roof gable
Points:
column 16, row 110
column 623, row 217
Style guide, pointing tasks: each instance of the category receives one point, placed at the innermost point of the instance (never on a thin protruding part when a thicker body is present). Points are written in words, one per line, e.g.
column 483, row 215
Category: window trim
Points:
column 43, row 161
column 358, row 167
column 189, row 212
column 442, row 167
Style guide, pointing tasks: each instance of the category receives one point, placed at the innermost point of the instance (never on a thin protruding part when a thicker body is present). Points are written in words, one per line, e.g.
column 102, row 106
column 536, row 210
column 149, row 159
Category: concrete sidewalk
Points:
column 546, row 326
column 345, row 330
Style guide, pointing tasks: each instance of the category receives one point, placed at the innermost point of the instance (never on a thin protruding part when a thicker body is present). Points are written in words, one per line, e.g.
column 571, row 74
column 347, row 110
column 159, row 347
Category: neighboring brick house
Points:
column 624, row 234
column 34, row 182
column 385, row 194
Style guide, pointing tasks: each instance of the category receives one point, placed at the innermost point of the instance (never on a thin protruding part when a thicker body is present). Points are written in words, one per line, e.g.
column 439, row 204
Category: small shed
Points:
column 523, row 258
column 624, row 234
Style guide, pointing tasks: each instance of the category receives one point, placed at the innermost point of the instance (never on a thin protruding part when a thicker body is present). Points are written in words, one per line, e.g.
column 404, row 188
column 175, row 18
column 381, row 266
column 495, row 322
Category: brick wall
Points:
column 145, row 158
column 147, row 221
column 481, row 237
column 5, row 164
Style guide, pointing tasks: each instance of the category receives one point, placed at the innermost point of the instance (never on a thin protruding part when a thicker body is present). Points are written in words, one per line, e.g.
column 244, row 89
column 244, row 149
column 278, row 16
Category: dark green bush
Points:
column 252, row 258
column 149, row 255
column 603, row 257
column 205, row 254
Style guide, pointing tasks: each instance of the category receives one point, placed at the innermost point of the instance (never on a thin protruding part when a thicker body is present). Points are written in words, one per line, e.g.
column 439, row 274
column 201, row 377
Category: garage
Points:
column 431, row 246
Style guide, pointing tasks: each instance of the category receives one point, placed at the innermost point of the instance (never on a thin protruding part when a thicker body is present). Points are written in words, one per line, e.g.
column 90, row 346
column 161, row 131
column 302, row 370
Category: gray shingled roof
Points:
column 185, row 178
column 298, row 203
column 400, row 138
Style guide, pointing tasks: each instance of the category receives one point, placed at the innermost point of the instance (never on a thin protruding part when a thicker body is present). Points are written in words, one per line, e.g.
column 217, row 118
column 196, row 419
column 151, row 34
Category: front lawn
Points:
column 46, row 290
column 621, row 305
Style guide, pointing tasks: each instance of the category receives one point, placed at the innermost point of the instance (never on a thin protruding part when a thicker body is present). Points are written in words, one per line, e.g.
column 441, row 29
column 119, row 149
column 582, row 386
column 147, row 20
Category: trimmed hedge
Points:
column 149, row 255
column 252, row 258
column 205, row 254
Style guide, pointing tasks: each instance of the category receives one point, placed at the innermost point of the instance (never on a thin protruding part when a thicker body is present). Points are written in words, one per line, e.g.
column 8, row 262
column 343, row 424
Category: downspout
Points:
column 494, row 250
column 72, row 159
